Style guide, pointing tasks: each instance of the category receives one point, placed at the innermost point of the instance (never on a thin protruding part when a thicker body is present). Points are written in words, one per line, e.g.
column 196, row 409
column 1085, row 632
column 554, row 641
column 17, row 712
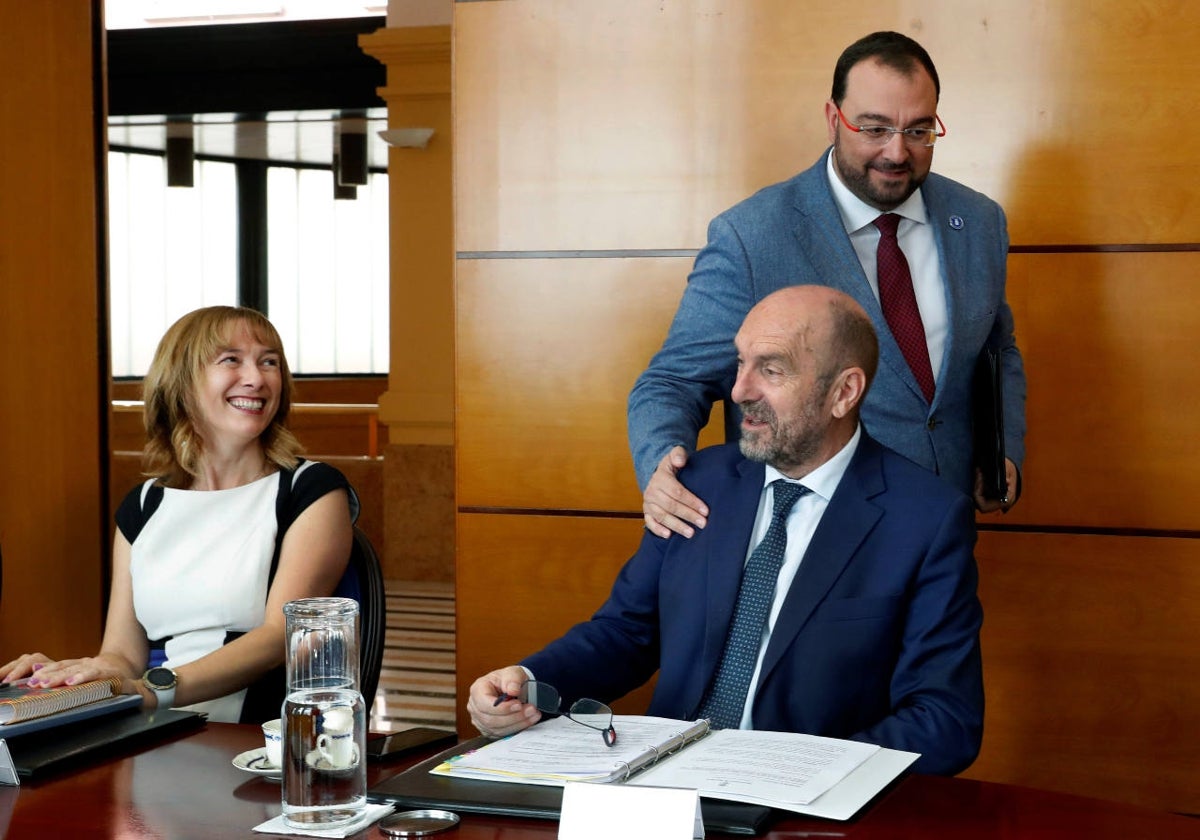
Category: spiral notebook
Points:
column 24, row 709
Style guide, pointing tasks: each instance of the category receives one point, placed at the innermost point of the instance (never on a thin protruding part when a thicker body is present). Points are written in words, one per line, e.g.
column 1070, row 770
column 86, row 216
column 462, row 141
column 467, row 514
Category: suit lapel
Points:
column 820, row 233
column 953, row 252
column 848, row 519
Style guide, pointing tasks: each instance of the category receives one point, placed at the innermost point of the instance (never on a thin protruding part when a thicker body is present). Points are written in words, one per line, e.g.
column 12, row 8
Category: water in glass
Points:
column 323, row 787
column 324, row 716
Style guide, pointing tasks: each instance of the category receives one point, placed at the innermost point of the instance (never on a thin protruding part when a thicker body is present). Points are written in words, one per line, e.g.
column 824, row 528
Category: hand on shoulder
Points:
column 669, row 507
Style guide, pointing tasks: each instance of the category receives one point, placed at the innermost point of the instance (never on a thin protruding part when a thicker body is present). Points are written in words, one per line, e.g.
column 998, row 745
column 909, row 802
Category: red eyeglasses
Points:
column 881, row 135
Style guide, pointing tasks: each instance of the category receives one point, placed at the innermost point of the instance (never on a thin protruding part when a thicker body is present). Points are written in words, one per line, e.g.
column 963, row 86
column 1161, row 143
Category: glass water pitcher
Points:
column 324, row 715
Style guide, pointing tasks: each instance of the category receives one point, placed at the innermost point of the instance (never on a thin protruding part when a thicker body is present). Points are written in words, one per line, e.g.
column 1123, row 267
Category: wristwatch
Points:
column 162, row 682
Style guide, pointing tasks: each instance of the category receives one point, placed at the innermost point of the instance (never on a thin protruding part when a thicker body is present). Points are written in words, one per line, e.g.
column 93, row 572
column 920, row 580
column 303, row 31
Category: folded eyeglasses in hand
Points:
column 590, row 713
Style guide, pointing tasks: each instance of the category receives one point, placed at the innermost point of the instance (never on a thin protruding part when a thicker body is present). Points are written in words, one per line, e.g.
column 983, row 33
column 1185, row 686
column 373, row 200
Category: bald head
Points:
column 806, row 356
column 830, row 327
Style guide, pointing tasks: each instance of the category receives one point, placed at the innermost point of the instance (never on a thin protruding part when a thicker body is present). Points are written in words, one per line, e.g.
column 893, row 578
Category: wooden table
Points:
column 188, row 788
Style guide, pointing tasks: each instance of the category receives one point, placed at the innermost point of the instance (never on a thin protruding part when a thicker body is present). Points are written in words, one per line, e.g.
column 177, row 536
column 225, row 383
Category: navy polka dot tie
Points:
column 726, row 696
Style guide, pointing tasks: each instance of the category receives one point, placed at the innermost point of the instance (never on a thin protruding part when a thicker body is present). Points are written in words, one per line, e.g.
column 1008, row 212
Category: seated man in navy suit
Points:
column 868, row 624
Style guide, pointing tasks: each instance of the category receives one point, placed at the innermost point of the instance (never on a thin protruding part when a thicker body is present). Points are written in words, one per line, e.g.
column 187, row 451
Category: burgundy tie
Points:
column 899, row 303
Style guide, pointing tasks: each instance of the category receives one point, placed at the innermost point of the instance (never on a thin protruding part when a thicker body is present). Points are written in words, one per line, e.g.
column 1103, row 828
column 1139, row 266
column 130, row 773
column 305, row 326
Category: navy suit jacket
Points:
column 792, row 233
column 877, row 641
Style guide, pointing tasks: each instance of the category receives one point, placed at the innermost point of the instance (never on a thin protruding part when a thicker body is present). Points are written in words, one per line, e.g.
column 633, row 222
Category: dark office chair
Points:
column 363, row 582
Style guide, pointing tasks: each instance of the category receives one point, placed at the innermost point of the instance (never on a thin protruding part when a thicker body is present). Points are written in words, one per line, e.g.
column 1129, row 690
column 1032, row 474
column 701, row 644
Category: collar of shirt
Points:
column 823, row 481
column 919, row 246
column 857, row 214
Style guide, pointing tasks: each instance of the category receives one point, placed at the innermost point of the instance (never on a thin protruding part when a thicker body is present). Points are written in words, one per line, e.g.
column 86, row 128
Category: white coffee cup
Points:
column 336, row 741
column 273, row 741
column 338, row 748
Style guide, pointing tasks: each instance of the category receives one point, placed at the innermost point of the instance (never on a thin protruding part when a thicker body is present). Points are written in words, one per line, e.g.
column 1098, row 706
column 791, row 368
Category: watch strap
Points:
column 166, row 696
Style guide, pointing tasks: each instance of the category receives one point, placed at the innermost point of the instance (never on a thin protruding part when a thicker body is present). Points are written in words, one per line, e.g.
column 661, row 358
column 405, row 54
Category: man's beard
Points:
column 859, row 182
column 783, row 446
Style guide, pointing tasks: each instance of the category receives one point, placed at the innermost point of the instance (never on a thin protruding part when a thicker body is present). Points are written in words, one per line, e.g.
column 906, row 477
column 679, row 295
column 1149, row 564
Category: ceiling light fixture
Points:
column 180, row 157
column 407, row 138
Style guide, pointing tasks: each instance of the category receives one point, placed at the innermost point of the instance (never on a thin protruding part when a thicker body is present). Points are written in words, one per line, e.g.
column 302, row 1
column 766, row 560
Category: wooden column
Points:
column 53, row 405
column 418, row 406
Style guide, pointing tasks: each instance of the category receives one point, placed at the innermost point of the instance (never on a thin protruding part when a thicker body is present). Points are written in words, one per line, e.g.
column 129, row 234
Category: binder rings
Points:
column 418, row 788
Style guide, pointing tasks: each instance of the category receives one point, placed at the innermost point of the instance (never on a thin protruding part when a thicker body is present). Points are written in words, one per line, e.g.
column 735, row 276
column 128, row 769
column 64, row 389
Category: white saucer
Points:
column 255, row 761
column 319, row 762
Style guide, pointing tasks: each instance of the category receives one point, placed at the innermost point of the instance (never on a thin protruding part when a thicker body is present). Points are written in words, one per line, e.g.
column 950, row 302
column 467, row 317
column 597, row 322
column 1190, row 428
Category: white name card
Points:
column 8, row 770
column 604, row 811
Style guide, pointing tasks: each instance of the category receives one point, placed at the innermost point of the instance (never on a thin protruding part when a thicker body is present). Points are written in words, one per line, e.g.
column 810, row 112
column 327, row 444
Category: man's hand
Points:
column 1012, row 477
column 493, row 707
column 667, row 505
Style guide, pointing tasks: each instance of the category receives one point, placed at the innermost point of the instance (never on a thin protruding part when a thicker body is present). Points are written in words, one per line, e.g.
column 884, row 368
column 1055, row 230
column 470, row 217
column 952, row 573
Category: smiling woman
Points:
column 232, row 525
column 218, row 394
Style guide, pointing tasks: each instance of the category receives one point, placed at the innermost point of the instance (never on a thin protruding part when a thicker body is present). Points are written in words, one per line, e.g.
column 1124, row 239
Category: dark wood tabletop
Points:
column 188, row 788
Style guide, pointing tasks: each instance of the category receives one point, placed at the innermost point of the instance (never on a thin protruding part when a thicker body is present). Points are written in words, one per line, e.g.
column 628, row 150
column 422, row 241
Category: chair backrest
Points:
column 372, row 605
column 362, row 581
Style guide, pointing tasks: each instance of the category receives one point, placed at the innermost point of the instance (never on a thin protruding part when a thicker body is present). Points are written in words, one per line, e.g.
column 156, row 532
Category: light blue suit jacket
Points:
column 791, row 233
column 877, row 639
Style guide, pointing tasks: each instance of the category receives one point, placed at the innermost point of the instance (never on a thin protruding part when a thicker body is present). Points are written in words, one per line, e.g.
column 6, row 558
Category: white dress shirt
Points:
column 920, row 249
column 801, row 525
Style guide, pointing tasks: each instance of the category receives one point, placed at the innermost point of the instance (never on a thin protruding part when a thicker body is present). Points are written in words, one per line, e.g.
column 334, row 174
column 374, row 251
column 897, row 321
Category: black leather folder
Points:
column 44, row 752
column 417, row 788
column 988, row 422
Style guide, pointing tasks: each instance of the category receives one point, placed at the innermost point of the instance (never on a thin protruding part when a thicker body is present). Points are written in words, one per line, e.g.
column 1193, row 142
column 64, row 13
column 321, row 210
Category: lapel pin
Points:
column 956, row 222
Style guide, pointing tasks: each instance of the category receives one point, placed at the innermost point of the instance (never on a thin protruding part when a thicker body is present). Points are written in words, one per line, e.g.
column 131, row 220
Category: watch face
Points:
column 160, row 677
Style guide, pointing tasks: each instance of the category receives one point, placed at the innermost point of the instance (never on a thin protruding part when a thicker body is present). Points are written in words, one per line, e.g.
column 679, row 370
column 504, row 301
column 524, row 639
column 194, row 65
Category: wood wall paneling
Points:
column 1114, row 388
column 640, row 121
column 548, row 350
column 50, row 423
column 1089, row 646
column 625, row 127
column 520, row 584
column 570, row 336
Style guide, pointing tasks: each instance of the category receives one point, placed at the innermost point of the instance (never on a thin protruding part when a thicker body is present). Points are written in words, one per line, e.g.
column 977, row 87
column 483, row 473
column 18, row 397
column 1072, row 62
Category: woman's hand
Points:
column 24, row 666
column 48, row 674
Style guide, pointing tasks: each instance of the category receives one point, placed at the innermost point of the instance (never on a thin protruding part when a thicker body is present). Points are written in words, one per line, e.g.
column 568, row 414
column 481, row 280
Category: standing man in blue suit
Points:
column 818, row 227
column 868, row 628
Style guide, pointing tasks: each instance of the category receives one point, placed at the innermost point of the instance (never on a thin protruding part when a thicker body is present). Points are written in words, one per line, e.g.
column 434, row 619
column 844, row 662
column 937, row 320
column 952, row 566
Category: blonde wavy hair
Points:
column 173, row 447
